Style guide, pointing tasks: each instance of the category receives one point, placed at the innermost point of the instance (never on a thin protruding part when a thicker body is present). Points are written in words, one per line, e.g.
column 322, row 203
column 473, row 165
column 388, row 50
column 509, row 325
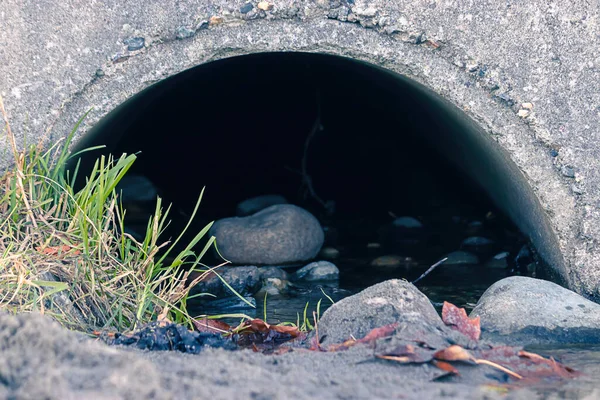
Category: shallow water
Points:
column 584, row 359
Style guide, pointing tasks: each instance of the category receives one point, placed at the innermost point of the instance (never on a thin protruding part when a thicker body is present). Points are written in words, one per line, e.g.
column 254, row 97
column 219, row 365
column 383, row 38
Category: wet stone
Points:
column 274, row 286
column 134, row 43
column 272, row 272
column 403, row 232
column 318, row 271
column 478, row 245
column 499, row 261
column 244, row 280
column 329, row 253
column 392, row 262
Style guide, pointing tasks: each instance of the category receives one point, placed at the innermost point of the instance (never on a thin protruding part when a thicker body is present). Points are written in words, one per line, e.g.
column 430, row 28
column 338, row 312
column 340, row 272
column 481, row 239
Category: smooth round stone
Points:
column 255, row 204
column 528, row 310
column 393, row 261
column 318, row 271
column 244, row 280
column 135, row 43
column 499, row 261
column 474, row 228
column 477, row 244
column 274, row 286
column 407, row 223
column 277, row 235
column 461, row 258
column 329, row 253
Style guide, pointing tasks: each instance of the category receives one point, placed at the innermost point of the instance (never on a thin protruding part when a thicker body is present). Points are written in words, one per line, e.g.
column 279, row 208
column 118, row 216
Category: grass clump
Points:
column 64, row 253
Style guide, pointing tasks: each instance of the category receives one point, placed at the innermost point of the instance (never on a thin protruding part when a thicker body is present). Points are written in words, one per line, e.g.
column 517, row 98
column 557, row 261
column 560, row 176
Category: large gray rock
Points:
column 528, row 310
column 255, row 204
column 376, row 306
column 276, row 235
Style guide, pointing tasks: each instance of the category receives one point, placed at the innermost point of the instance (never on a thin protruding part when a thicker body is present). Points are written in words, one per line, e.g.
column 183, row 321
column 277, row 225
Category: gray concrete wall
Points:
column 60, row 58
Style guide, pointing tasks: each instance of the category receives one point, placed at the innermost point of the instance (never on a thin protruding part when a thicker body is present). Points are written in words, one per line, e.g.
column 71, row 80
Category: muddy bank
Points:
column 40, row 359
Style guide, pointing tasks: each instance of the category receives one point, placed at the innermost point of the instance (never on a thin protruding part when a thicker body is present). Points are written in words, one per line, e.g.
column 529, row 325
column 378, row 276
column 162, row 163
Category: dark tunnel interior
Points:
column 352, row 143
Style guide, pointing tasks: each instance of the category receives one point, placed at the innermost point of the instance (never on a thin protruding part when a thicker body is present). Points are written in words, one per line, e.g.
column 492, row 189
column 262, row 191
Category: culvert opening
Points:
column 397, row 176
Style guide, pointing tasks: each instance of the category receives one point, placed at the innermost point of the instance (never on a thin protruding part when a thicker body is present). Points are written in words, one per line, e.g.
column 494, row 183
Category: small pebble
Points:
column 215, row 20
column 393, row 261
column 329, row 253
column 461, row 258
column 318, row 271
column 499, row 261
column 527, row 106
column 184, row 33
column 274, row 286
column 576, row 189
column 134, row 43
column 567, row 171
column 272, row 272
column 407, row 222
column 523, row 113
column 246, row 8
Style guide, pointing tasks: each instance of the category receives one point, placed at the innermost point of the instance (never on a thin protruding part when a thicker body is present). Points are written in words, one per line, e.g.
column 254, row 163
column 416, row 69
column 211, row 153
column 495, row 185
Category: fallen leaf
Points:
column 445, row 366
column 408, row 353
column 53, row 251
column 453, row 353
column 210, row 325
column 257, row 332
column 378, row 333
column 457, row 319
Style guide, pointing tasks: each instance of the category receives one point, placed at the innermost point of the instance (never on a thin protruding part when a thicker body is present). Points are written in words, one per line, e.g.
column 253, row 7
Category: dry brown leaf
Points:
column 210, row 325
column 56, row 250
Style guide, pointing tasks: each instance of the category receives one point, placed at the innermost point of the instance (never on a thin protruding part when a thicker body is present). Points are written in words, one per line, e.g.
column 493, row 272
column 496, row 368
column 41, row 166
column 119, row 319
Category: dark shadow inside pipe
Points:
column 239, row 126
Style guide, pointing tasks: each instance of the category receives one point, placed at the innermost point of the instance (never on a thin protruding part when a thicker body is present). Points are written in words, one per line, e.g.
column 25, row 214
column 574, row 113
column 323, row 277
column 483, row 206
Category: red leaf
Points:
column 210, row 325
column 378, row 333
column 53, row 251
column 457, row 319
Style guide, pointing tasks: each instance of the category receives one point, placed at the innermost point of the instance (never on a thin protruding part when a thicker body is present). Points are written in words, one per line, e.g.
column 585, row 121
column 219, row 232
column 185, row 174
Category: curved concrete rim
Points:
column 477, row 91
